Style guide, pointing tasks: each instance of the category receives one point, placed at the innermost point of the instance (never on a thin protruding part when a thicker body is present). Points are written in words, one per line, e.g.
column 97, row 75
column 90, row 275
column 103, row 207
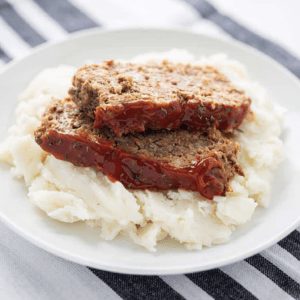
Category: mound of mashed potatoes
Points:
column 70, row 194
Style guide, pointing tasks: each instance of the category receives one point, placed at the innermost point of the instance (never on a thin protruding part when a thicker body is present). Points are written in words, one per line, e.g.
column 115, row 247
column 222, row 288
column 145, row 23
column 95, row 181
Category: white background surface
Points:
column 277, row 20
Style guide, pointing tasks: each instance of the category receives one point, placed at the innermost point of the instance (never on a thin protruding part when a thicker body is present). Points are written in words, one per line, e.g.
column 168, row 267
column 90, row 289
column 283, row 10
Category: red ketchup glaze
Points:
column 136, row 172
column 138, row 116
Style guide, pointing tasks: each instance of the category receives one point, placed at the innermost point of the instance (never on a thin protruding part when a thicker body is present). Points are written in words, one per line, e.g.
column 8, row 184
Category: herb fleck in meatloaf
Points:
column 131, row 98
column 163, row 160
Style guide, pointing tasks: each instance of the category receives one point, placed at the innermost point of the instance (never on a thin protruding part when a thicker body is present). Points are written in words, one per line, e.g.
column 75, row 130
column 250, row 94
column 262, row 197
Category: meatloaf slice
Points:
column 204, row 162
column 131, row 98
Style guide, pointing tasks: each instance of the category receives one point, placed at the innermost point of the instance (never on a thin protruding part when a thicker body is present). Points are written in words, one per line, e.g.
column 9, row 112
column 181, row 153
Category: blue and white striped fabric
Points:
column 27, row 272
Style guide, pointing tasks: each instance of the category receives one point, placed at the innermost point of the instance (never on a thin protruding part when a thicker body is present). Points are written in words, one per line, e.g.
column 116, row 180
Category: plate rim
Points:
column 97, row 31
column 134, row 270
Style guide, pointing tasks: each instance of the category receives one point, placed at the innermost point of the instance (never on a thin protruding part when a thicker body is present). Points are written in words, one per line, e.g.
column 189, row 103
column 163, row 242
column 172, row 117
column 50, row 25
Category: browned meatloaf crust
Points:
column 197, row 161
column 129, row 97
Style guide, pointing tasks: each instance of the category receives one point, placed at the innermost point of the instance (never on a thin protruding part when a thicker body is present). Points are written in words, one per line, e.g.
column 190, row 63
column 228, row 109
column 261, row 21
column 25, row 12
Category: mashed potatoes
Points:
column 69, row 194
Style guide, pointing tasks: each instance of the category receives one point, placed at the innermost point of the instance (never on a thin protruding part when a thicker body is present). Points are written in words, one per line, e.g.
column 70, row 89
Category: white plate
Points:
column 80, row 243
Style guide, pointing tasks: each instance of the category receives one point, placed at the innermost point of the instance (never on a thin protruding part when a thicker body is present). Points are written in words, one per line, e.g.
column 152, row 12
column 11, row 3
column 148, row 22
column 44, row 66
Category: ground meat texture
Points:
column 131, row 98
column 157, row 160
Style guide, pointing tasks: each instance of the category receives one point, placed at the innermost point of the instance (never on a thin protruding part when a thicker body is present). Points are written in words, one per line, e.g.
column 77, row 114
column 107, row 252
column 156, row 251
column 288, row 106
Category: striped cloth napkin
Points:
column 27, row 272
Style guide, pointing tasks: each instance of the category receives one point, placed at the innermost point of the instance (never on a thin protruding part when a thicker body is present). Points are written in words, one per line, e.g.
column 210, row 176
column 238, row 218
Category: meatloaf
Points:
column 129, row 97
column 203, row 161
